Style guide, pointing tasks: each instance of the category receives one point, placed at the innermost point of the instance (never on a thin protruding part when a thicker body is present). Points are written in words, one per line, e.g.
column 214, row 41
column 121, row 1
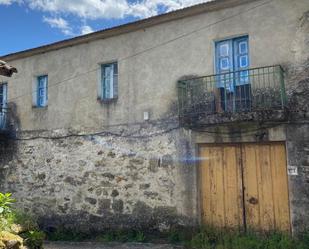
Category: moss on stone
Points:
column 10, row 240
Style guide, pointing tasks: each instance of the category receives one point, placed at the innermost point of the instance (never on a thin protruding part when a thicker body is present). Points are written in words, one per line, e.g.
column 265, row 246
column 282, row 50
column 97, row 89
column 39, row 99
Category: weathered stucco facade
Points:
column 100, row 165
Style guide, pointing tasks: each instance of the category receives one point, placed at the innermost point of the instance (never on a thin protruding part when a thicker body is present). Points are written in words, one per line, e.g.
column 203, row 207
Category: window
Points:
column 3, row 105
column 3, row 96
column 109, row 81
column 233, row 81
column 42, row 91
column 232, row 55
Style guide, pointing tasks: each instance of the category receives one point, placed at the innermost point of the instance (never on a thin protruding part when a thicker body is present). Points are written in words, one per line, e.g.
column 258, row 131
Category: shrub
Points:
column 178, row 235
column 224, row 239
column 18, row 224
column 24, row 220
column 5, row 204
column 33, row 239
column 140, row 237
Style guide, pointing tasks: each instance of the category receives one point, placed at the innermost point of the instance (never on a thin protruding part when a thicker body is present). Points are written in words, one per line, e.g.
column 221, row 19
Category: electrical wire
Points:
column 151, row 48
column 101, row 133
column 232, row 134
column 106, row 133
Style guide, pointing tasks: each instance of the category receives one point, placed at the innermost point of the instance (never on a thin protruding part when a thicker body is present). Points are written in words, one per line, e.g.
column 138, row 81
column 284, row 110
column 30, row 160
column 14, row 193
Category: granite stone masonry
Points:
column 102, row 179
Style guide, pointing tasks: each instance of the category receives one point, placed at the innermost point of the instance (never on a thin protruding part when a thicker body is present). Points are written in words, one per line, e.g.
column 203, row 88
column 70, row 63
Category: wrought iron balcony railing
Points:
column 250, row 90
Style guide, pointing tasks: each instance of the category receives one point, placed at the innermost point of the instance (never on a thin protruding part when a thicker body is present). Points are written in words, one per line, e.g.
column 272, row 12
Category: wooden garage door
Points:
column 245, row 186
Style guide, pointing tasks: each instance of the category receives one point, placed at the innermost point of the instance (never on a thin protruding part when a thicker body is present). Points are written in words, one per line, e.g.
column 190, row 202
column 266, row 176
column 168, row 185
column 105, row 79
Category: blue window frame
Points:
column 3, row 105
column 109, row 81
column 42, row 91
column 232, row 60
column 3, row 96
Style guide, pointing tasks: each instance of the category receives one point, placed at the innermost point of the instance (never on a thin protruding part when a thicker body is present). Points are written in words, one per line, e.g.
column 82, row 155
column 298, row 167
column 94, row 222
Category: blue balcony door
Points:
column 3, row 105
column 225, row 65
column 232, row 63
column 241, row 61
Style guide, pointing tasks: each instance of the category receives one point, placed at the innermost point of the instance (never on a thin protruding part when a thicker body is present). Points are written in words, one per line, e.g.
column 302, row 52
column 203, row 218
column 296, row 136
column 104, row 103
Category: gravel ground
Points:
column 91, row 245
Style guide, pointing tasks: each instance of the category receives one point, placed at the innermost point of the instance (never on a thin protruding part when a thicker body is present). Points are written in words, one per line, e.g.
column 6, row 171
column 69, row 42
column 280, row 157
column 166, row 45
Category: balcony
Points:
column 256, row 94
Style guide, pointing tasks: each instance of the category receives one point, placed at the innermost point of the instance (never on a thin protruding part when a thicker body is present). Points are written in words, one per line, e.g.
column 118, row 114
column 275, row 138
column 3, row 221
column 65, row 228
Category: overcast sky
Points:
column 32, row 23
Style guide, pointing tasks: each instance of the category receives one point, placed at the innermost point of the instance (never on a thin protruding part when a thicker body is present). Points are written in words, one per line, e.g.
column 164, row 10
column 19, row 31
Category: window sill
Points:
column 34, row 107
column 108, row 101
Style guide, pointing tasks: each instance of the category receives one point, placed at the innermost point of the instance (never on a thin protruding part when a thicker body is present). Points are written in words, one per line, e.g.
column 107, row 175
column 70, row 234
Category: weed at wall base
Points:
column 211, row 238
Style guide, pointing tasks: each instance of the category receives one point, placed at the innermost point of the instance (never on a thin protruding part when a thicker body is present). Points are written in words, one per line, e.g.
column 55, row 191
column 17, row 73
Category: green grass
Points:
column 109, row 236
column 210, row 238
column 122, row 236
column 33, row 239
column 203, row 238
column 62, row 234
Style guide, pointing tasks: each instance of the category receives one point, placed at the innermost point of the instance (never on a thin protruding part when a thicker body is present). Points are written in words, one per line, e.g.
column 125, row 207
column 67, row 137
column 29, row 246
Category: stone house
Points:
column 195, row 116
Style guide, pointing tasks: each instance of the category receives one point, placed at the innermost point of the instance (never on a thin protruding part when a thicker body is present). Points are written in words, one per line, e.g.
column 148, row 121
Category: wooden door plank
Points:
column 240, row 190
column 251, row 176
column 265, row 178
column 233, row 187
column 280, row 187
column 213, row 188
column 229, row 185
column 266, row 188
column 205, row 184
column 221, row 186
column 208, row 199
column 219, row 211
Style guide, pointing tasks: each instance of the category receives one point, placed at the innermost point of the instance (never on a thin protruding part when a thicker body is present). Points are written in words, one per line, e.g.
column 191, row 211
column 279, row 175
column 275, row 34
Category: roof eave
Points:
column 126, row 28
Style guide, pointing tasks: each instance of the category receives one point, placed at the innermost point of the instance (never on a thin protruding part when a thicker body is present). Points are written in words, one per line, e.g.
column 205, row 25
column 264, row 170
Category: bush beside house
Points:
column 17, row 230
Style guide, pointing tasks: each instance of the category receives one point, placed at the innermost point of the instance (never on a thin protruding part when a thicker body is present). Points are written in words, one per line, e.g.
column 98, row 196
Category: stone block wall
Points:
column 298, row 156
column 100, row 182
column 298, row 148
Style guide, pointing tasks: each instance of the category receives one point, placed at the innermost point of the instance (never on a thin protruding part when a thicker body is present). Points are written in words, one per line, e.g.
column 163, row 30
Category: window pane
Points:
column 224, row 49
column 243, row 47
column 244, row 76
column 109, row 79
column 115, row 68
column 3, row 96
column 115, row 85
column 224, row 64
column 108, row 70
column 243, row 61
column 41, row 102
column 42, row 90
